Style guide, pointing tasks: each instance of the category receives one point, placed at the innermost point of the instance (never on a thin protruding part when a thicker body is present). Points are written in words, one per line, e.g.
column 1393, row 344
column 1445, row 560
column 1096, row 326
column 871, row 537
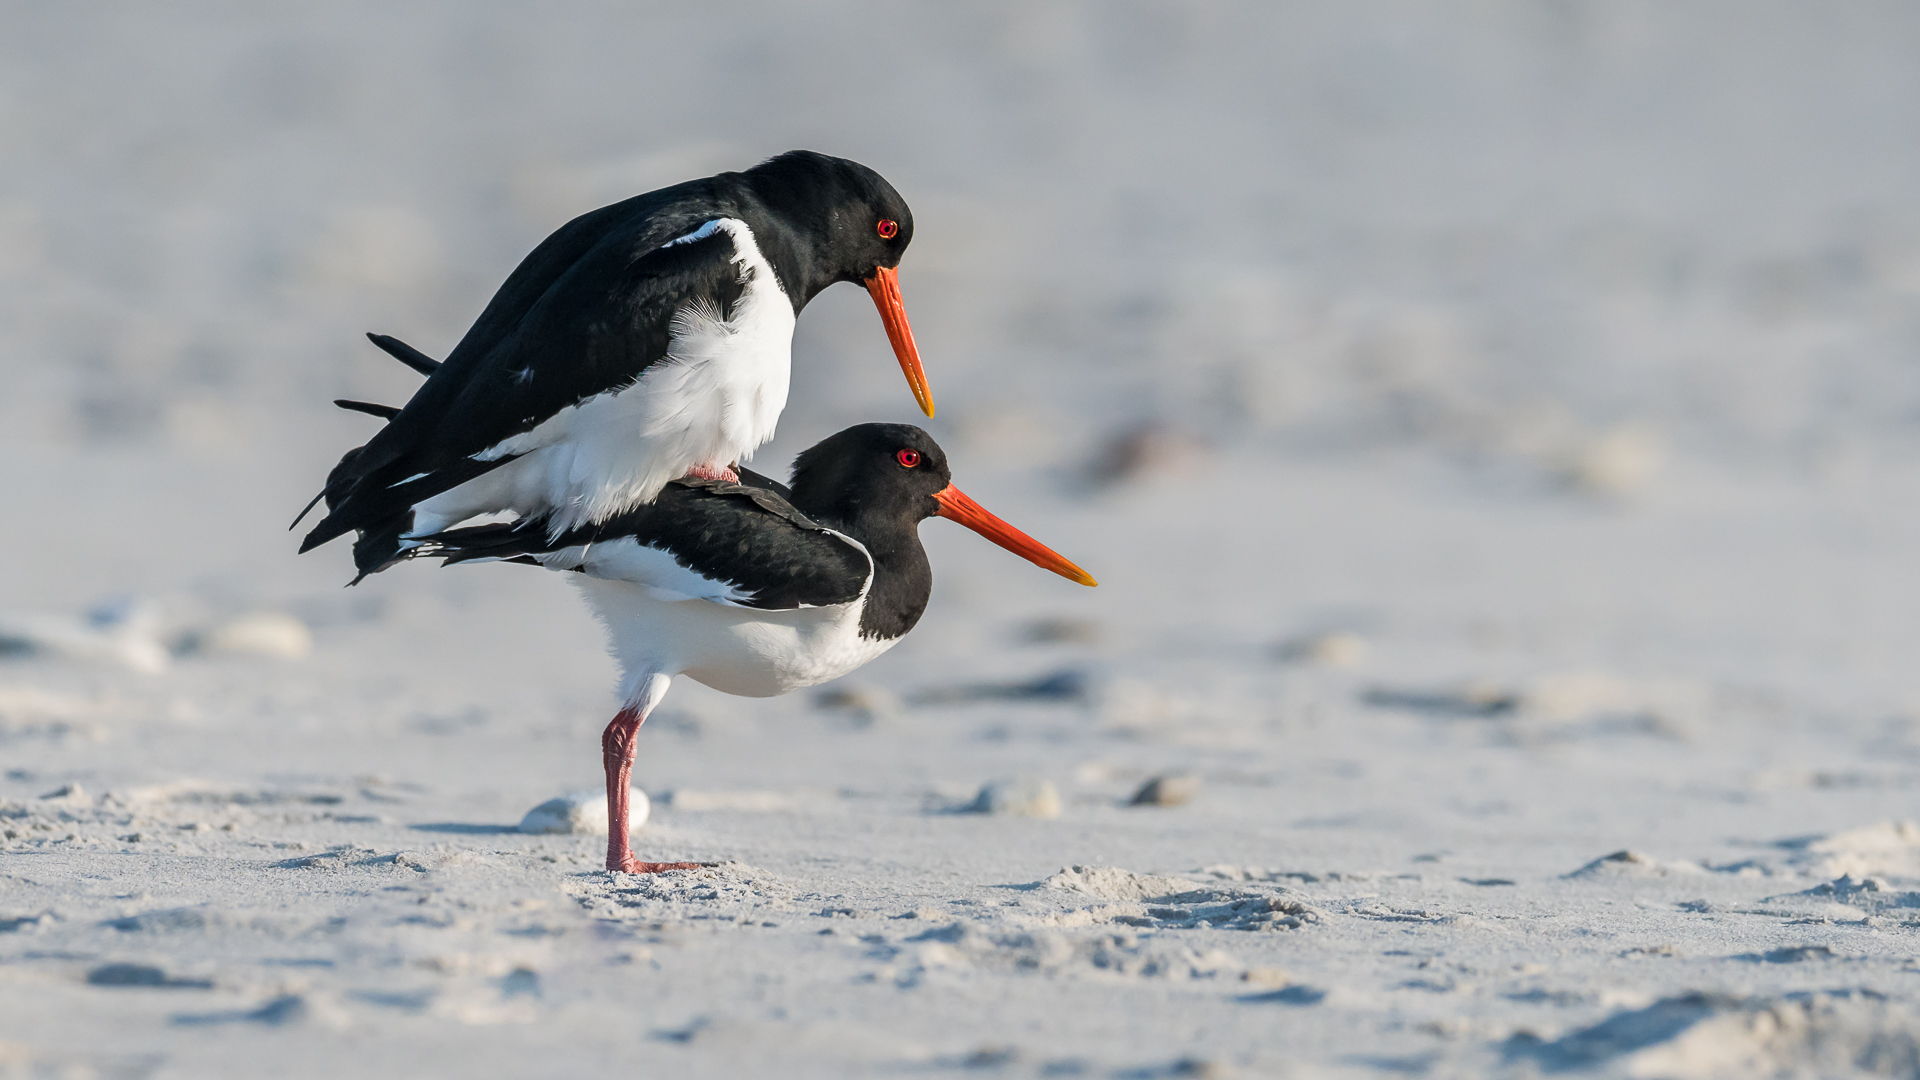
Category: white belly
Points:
column 714, row 400
column 734, row 650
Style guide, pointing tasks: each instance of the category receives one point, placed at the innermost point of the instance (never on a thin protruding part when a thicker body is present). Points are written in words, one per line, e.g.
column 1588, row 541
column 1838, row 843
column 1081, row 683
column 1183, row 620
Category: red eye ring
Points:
column 888, row 228
column 908, row 458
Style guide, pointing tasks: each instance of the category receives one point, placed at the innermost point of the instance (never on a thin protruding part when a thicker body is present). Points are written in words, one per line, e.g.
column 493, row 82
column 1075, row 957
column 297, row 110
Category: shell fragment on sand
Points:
column 583, row 813
column 260, row 634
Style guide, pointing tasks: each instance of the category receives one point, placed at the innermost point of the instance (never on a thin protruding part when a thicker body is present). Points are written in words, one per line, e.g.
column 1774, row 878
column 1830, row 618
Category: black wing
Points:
column 745, row 538
column 588, row 311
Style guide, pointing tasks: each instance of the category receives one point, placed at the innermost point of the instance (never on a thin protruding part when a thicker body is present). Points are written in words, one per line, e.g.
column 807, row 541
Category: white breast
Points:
column 714, row 400
column 732, row 649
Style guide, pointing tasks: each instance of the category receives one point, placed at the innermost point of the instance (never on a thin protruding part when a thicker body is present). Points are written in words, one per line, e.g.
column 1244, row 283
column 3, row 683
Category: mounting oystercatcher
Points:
column 749, row 586
column 644, row 341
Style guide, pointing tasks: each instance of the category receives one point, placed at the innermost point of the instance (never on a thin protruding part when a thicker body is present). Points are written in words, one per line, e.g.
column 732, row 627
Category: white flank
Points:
column 663, row 619
column 713, row 401
column 734, row 650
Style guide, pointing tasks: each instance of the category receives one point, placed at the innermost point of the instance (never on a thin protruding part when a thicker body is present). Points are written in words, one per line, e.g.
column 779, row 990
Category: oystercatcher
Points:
column 750, row 586
column 644, row 341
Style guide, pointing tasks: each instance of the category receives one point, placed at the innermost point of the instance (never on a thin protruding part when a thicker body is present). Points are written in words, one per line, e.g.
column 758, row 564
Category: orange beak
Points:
column 955, row 506
column 884, row 287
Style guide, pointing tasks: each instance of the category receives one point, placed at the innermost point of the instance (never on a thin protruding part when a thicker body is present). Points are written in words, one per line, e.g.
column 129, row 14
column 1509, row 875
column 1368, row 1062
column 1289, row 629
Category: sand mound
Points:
column 1633, row 864
column 1868, row 894
column 1113, row 883
column 725, row 892
column 1709, row 1036
column 965, row 946
column 1888, row 849
column 1169, row 903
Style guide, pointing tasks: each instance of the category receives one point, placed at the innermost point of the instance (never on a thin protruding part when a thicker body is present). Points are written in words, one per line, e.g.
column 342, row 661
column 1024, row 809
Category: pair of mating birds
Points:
column 604, row 400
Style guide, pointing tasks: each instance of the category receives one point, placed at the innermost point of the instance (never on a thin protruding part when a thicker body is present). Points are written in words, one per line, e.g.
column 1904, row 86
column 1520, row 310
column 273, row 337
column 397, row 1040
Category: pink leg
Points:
column 712, row 471
column 616, row 753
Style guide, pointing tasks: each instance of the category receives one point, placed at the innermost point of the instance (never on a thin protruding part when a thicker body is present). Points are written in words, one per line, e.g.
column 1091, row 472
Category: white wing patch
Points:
column 657, row 571
column 700, row 233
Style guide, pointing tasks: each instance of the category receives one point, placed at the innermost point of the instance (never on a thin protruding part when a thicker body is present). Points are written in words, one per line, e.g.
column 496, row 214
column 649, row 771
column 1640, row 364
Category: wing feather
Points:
column 737, row 544
column 587, row 312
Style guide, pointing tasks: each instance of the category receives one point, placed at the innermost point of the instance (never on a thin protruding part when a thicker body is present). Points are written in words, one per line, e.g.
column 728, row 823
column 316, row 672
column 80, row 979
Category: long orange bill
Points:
column 955, row 506
column 884, row 287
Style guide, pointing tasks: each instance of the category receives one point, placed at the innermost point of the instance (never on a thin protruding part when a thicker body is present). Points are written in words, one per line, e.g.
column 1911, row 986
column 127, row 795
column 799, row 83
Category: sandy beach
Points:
column 1492, row 429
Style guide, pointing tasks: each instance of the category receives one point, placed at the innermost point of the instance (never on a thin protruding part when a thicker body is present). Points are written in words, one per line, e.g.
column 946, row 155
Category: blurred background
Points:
column 1389, row 273
column 1492, row 423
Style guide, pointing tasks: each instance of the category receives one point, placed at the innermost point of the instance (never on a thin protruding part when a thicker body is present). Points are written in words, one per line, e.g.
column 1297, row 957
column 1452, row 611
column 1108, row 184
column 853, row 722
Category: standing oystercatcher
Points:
column 645, row 341
column 751, row 587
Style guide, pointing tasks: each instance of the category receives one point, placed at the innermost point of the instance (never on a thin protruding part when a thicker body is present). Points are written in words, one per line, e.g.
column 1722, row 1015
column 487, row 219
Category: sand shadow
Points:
column 465, row 828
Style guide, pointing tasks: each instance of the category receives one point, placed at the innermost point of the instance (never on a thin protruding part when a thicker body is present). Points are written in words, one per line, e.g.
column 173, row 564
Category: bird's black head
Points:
column 871, row 479
column 849, row 221
column 829, row 220
column 878, row 482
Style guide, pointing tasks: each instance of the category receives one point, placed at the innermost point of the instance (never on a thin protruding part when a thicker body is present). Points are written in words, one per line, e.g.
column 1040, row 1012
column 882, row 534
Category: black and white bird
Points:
column 752, row 587
column 642, row 342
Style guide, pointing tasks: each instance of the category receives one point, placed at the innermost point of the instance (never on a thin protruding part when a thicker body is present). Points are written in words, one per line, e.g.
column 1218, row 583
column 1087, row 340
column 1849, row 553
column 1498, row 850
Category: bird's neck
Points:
column 902, row 578
column 802, row 273
column 794, row 263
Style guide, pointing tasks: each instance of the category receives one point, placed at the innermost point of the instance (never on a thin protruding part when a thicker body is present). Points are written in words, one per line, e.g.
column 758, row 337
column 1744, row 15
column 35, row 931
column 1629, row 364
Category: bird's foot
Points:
column 714, row 472
column 631, row 865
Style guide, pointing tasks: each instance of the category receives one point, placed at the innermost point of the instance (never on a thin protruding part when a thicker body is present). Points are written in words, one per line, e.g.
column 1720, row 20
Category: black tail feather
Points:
column 330, row 492
column 511, row 541
column 384, row 412
column 315, row 501
column 378, row 545
column 405, row 353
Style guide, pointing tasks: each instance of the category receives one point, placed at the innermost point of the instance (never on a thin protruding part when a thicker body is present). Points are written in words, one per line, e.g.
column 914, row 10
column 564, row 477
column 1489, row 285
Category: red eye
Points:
column 909, row 458
column 888, row 228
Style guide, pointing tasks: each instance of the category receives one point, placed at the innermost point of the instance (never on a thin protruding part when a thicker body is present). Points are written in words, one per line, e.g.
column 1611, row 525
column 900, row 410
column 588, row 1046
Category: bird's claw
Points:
column 714, row 472
column 631, row 865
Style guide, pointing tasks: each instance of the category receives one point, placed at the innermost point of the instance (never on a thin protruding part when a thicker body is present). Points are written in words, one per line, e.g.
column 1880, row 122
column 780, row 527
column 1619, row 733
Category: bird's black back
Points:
column 746, row 536
column 778, row 547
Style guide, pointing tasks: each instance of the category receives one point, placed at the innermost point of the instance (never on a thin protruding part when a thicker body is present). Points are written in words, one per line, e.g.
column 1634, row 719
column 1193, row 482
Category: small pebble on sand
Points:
column 866, row 704
column 1144, row 450
column 582, row 812
column 1166, row 791
column 1338, row 649
column 1020, row 796
column 1616, row 463
column 1061, row 630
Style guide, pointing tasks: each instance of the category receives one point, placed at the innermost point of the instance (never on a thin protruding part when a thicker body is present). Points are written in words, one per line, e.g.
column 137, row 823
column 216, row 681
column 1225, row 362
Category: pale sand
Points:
column 1534, row 645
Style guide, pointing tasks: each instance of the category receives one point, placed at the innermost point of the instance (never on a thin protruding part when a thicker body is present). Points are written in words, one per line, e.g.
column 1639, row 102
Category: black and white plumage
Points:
column 736, row 543
column 642, row 342
column 794, row 586
column 754, row 588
